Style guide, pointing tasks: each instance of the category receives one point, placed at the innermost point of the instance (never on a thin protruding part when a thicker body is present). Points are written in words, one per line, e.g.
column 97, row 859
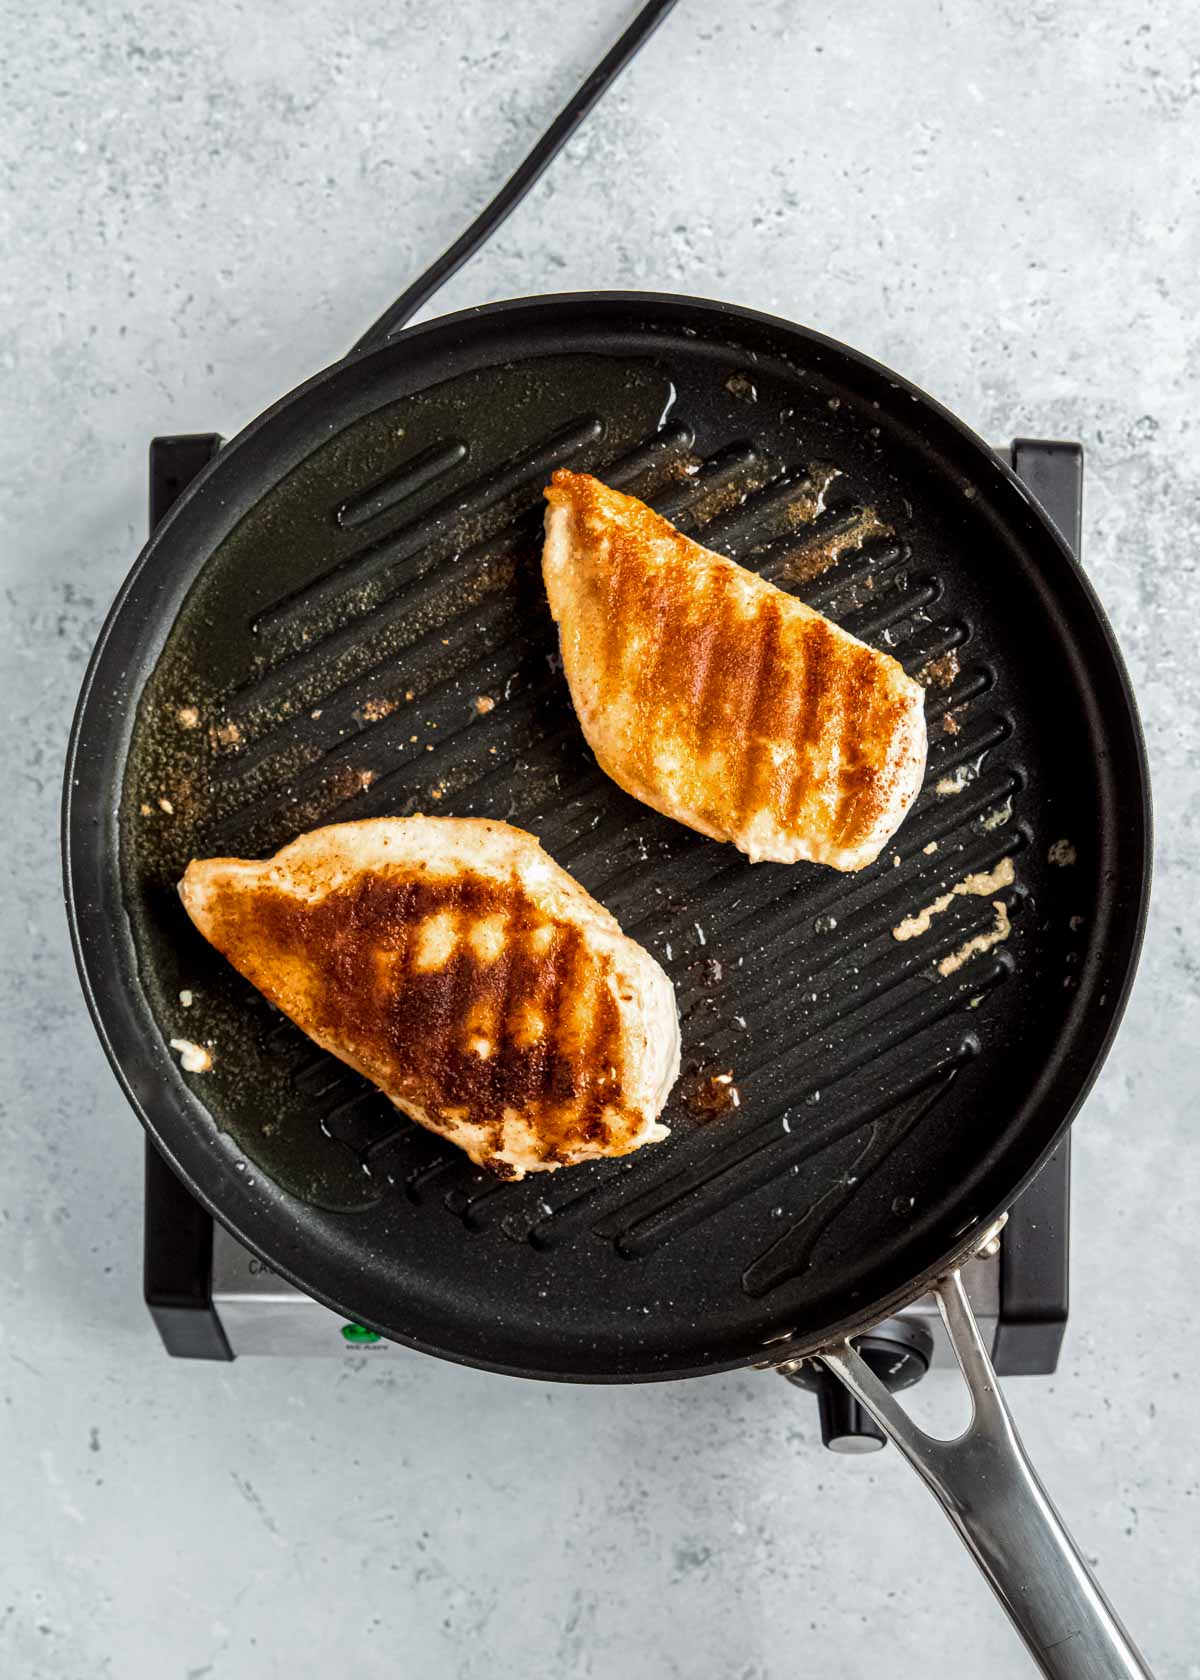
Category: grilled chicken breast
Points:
column 457, row 966
column 719, row 699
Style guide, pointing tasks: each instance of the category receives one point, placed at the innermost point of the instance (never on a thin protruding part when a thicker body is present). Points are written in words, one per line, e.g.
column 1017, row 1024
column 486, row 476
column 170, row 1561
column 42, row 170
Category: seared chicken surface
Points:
column 720, row 700
column 453, row 962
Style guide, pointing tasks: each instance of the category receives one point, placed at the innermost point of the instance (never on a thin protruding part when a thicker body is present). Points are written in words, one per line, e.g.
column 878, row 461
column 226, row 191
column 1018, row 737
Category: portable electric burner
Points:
column 213, row 1299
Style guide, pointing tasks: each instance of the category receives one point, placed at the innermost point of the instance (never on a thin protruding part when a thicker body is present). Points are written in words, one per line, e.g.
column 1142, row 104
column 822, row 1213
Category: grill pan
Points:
column 334, row 599
column 343, row 617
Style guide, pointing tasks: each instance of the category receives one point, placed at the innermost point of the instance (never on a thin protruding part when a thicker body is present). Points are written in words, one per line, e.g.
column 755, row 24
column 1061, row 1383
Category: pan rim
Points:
column 75, row 819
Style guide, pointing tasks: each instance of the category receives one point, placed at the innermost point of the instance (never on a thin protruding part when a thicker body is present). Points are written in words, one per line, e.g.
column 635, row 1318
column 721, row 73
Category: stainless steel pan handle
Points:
column 993, row 1497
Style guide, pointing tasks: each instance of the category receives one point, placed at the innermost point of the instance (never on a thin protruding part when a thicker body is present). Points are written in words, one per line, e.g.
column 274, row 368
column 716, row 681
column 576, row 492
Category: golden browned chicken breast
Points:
column 719, row 699
column 452, row 962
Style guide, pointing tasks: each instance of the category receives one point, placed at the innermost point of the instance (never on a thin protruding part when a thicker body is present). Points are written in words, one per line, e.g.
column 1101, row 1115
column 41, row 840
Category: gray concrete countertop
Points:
column 201, row 204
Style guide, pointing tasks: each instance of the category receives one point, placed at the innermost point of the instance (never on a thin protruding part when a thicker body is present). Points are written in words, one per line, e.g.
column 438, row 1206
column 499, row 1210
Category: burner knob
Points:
column 898, row 1351
column 845, row 1426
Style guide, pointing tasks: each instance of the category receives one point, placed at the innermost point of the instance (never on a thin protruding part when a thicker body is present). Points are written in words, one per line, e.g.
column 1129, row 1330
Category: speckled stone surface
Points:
column 201, row 204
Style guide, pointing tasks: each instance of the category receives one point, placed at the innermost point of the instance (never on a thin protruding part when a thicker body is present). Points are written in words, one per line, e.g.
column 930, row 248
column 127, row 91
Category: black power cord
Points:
column 521, row 180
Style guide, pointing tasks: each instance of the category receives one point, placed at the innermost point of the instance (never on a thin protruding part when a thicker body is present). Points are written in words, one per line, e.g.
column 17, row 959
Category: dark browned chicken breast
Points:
column 453, row 962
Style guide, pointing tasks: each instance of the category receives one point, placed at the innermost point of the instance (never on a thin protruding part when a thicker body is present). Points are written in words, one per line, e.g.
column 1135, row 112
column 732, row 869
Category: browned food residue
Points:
column 809, row 503
column 484, row 703
column 818, row 555
column 193, row 1058
column 711, row 1094
column 686, row 465
column 981, row 884
column 942, row 672
column 374, row 711
column 996, row 935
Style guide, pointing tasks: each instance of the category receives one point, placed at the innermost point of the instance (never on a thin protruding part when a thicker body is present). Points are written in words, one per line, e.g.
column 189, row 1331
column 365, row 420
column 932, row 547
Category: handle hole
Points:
column 940, row 1404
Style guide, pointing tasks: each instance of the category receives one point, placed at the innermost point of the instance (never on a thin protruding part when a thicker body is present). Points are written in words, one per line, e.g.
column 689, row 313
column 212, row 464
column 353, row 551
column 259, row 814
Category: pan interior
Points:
column 368, row 635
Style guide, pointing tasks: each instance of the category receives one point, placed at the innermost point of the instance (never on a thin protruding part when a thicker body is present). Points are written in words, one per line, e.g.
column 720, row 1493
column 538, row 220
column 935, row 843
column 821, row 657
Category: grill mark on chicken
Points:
column 858, row 794
column 814, row 681
column 707, row 674
column 746, row 682
column 593, row 1031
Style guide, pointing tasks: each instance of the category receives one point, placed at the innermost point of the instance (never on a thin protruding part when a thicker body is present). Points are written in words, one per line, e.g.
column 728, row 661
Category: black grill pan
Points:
column 344, row 617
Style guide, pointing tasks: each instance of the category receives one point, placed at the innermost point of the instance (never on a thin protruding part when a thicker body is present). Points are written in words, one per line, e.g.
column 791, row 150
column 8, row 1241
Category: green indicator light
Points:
column 359, row 1333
